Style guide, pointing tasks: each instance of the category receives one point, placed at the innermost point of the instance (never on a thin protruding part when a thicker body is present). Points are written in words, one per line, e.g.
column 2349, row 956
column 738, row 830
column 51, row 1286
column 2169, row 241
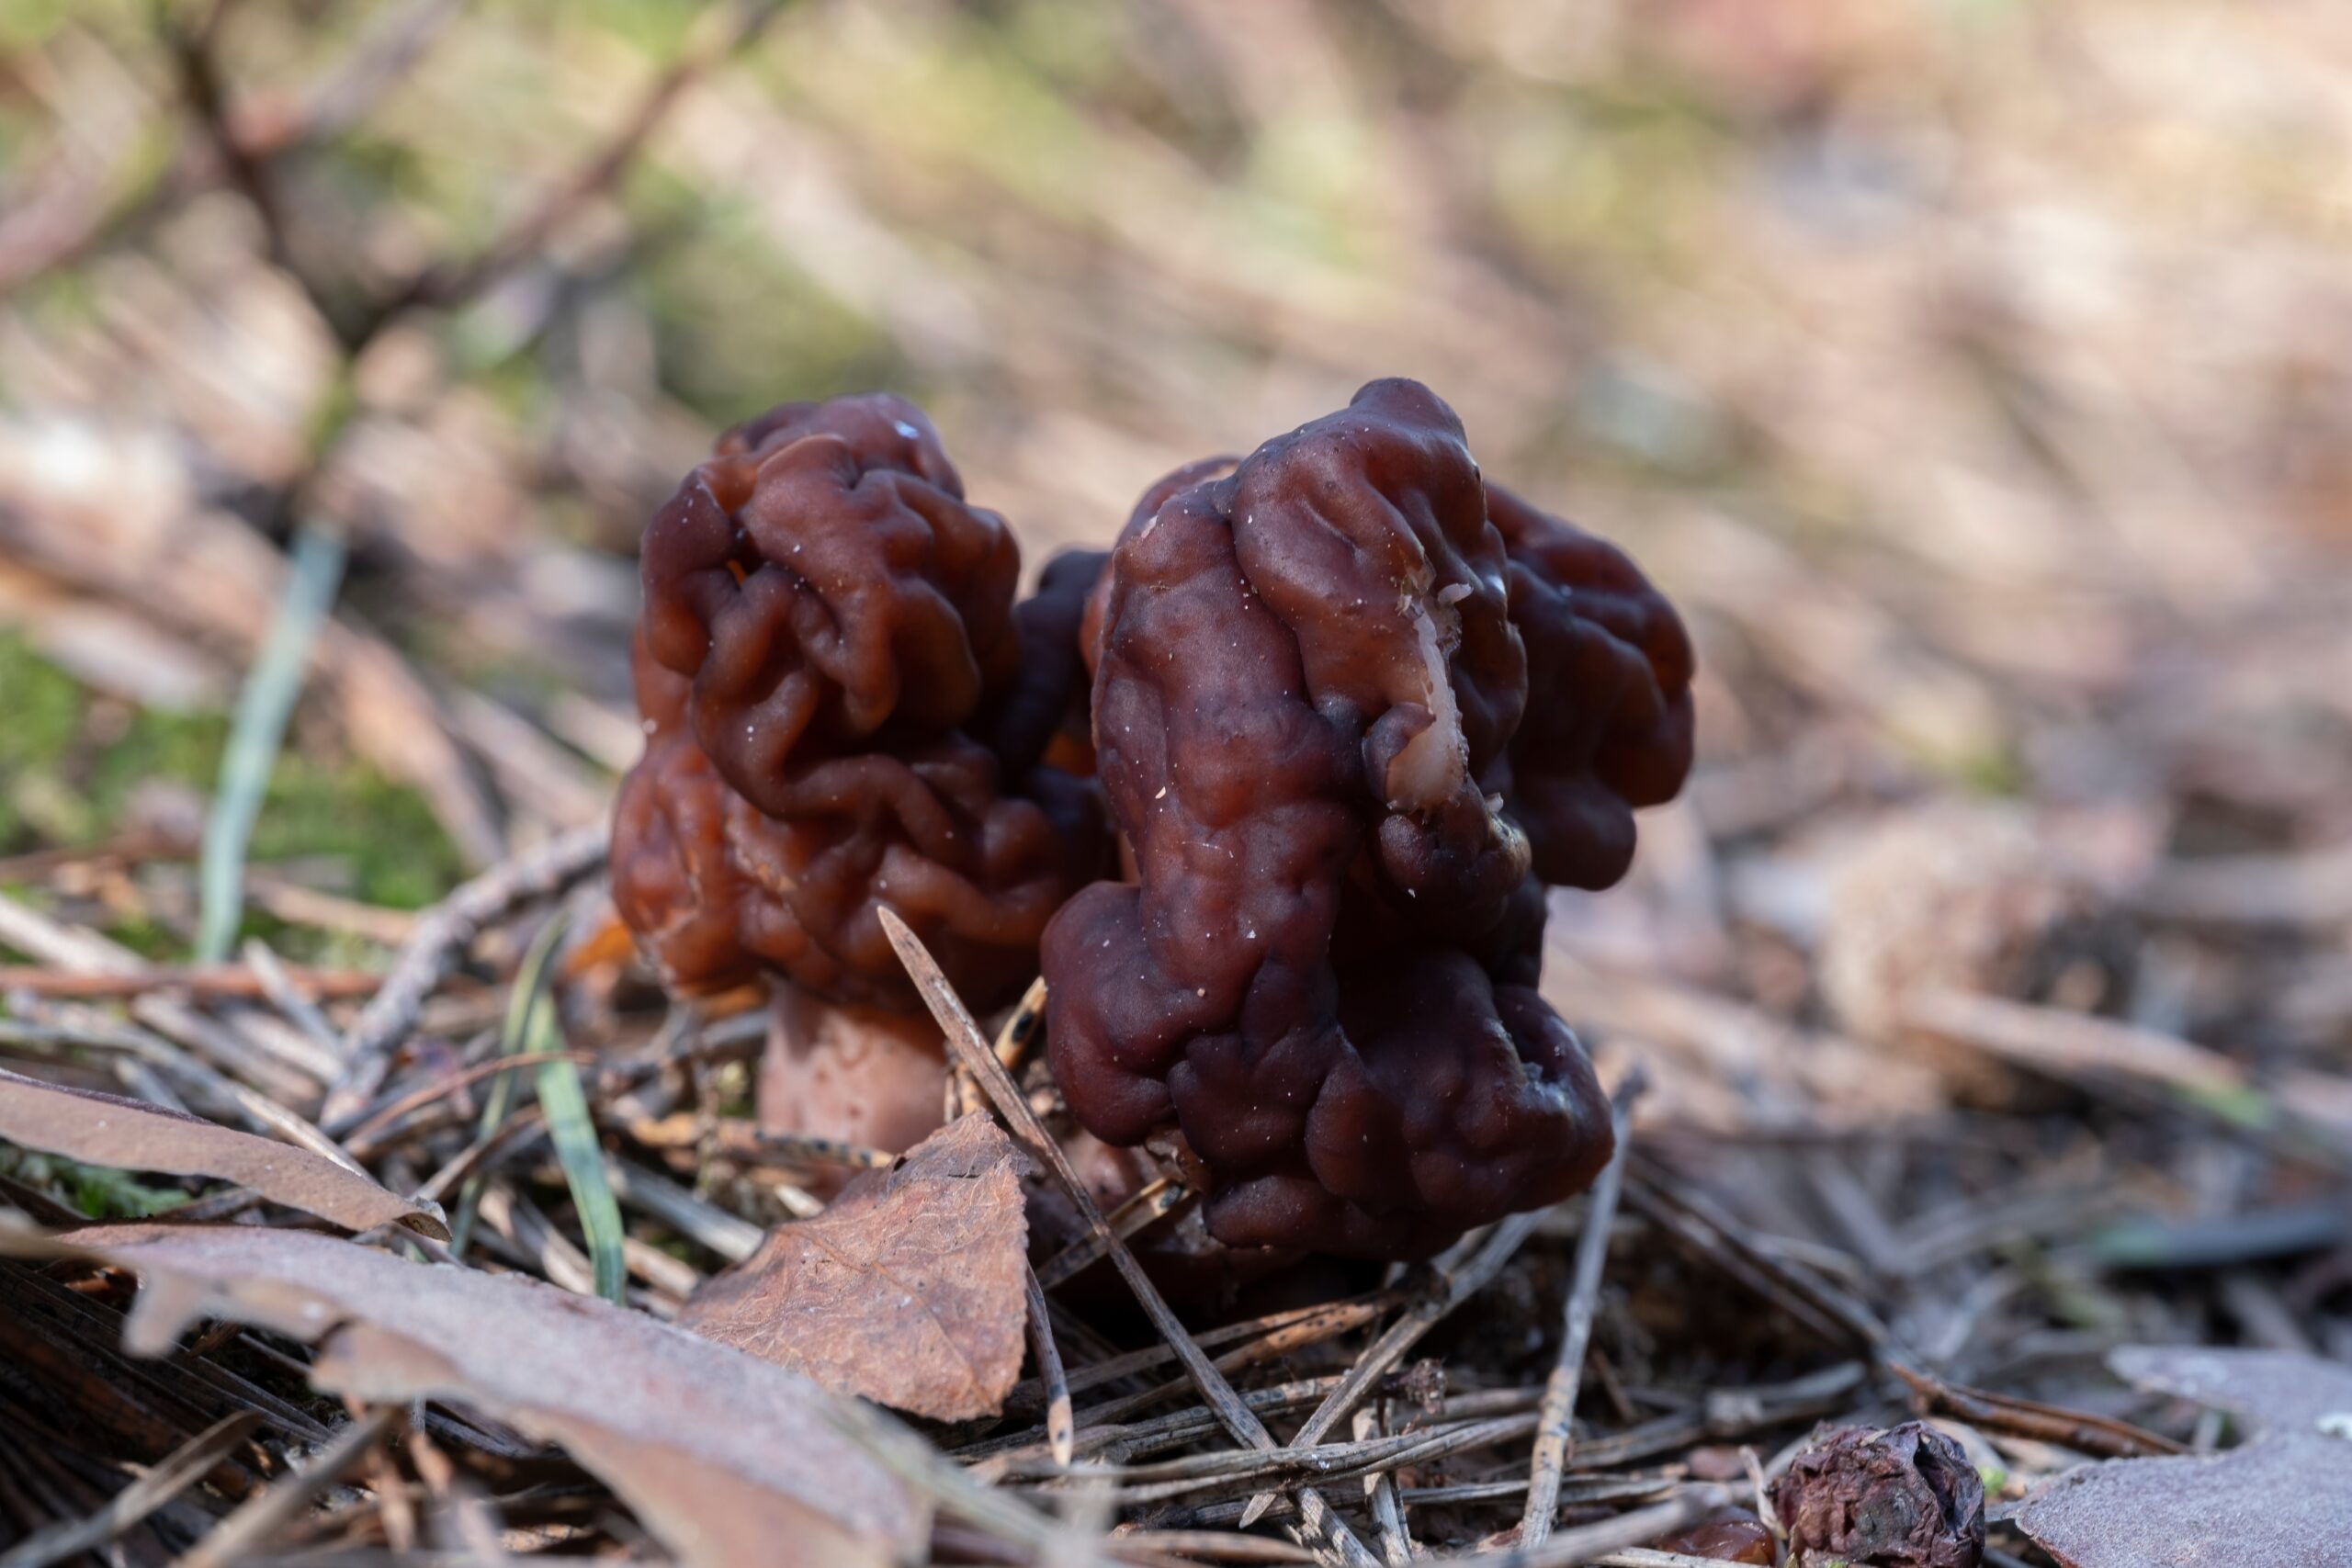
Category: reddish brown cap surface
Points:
column 843, row 708
column 1311, row 719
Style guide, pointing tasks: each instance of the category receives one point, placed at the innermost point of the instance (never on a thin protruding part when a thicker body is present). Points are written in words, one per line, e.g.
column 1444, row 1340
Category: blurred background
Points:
column 1976, row 374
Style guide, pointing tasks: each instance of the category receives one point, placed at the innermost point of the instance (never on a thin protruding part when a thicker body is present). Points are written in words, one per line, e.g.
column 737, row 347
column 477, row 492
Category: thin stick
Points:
column 731, row 1137
column 1013, row 1043
column 1153, row 1201
column 731, row 1236
column 1217, row 1545
column 1586, row 1542
column 1061, row 1427
column 289, row 998
column 187, row 1465
column 447, row 285
column 1020, row 1031
column 1020, row 1457
column 266, row 1513
column 1560, row 1392
column 203, row 981
column 369, row 1136
column 963, row 1038
column 1380, row 1492
column 1459, row 1283
column 1263, row 1338
column 441, row 938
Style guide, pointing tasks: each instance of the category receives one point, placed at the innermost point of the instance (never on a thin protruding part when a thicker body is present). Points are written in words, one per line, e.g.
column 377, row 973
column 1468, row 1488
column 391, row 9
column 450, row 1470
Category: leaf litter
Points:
column 729, row 1460
column 2282, row 1495
column 107, row 1130
column 908, row 1289
column 2025, row 1116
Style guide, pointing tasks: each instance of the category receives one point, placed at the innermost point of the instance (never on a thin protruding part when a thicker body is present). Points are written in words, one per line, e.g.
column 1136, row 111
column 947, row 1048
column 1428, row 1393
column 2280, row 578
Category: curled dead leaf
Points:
column 729, row 1461
column 2282, row 1497
column 908, row 1289
column 1861, row 1497
column 105, row 1129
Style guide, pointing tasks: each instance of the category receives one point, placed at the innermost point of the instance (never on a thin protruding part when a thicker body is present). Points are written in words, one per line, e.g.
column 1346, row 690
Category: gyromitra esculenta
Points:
column 844, row 710
column 1353, row 708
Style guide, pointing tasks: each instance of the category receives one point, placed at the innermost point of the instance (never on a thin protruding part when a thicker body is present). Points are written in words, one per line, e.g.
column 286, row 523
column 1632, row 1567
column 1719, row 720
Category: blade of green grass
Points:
column 521, row 1000
column 573, row 1132
column 312, row 575
column 531, row 1026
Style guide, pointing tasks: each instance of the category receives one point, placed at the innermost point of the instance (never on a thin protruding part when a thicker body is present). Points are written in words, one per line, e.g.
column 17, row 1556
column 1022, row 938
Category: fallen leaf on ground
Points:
column 908, row 1289
column 729, row 1463
column 2283, row 1497
column 105, row 1129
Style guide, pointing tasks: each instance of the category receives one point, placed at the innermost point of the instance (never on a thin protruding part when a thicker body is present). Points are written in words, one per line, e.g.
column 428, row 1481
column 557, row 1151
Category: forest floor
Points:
column 1971, row 375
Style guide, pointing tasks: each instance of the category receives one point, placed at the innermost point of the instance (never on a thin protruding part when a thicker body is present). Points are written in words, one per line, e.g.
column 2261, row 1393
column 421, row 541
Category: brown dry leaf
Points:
column 104, row 1129
column 908, row 1289
column 729, row 1463
column 2282, row 1497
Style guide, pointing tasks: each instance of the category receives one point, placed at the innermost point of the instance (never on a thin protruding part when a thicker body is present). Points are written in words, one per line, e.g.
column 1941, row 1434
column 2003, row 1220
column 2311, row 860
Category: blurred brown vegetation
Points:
column 1976, row 374
column 1974, row 371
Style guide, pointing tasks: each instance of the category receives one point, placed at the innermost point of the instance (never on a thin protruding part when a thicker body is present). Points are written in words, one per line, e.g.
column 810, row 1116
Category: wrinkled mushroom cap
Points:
column 1311, row 718
column 843, row 707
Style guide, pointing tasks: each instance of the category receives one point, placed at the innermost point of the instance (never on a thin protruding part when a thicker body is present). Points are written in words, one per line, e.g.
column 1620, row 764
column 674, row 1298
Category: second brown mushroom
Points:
column 846, row 711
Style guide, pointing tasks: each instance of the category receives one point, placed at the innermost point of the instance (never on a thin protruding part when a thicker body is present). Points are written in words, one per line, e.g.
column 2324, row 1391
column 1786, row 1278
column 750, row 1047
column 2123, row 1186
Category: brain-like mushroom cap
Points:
column 843, row 708
column 1310, row 698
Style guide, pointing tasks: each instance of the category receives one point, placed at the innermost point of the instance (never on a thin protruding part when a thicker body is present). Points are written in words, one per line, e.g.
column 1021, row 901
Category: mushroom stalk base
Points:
column 858, row 1075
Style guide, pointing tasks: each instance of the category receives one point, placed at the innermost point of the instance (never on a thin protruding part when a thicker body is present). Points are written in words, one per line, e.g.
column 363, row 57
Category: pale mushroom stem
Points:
column 865, row 1075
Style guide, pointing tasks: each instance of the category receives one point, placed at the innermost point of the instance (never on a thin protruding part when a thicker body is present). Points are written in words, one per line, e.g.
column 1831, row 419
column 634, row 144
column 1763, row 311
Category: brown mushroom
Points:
column 1312, row 719
column 845, row 711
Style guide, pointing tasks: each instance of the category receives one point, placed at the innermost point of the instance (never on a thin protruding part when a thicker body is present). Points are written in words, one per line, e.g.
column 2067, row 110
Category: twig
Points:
column 1456, row 1285
column 1217, row 1545
column 1013, row 1043
column 270, row 1511
column 1276, row 1334
column 1060, row 1427
column 1380, row 1494
column 2071, row 1044
column 1021, row 1457
column 381, row 1128
column 2100, row 1435
column 441, row 938
column 963, row 1038
column 731, row 1137
column 705, row 1225
column 1586, row 1542
column 298, row 1005
column 206, row 982
column 183, row 1468
column 449, row 285
column 1155, row 1199
column 1760, row 1274
column 1575, row 1333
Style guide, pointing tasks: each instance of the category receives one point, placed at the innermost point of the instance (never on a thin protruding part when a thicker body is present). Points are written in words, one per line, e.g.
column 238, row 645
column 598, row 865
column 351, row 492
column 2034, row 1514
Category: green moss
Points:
column 339, row 808
column 93, row 1190
column 44, row 709
column 69, row 763
column 738, row 328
